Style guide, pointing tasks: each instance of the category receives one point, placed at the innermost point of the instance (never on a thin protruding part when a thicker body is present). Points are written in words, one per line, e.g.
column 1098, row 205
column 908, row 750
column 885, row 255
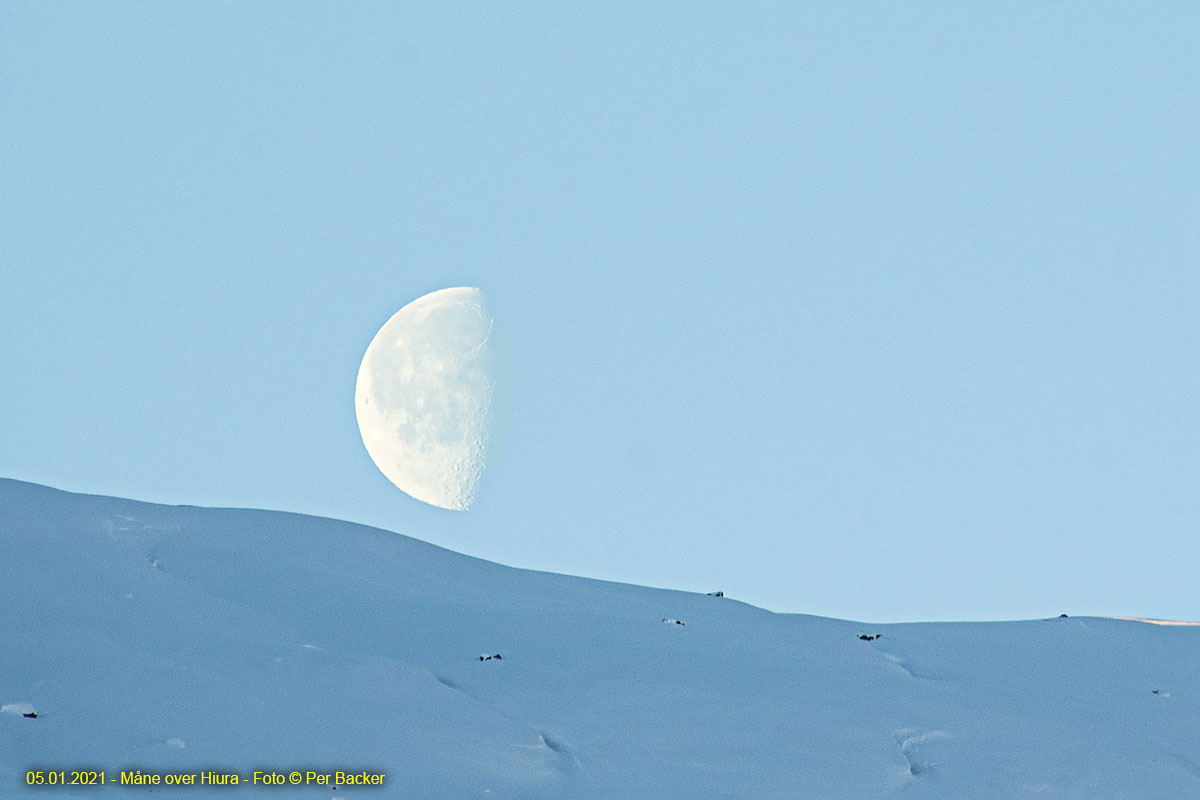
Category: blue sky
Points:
column 877, row 312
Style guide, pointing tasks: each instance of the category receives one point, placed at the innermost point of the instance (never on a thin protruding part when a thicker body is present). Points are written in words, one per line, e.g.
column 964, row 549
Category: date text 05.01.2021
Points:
column 65, row 778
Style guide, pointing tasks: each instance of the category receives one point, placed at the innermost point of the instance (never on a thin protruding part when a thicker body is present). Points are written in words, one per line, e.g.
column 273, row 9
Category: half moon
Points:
column 424, row 394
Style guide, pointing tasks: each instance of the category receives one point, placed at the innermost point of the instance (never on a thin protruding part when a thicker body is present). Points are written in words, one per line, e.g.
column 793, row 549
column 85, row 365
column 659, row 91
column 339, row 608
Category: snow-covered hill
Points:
column 182, row 639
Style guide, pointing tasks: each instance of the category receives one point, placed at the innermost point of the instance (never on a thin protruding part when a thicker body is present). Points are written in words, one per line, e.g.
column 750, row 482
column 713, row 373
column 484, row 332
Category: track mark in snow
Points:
column 449, row 684
column 555, row 744
column 902, row 664
column 908, row 668
column 909, row 740
column 559, row 751
column 123, row 523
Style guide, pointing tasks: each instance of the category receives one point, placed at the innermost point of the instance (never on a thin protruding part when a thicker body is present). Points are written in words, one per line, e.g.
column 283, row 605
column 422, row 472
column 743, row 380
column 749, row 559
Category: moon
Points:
column 424, row 393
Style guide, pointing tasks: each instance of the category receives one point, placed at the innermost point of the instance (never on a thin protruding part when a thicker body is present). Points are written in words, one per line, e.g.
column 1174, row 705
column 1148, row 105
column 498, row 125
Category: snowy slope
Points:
column 183, row 639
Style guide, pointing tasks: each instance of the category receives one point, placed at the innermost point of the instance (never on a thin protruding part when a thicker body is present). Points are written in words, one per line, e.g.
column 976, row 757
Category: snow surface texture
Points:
column 181, row 638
